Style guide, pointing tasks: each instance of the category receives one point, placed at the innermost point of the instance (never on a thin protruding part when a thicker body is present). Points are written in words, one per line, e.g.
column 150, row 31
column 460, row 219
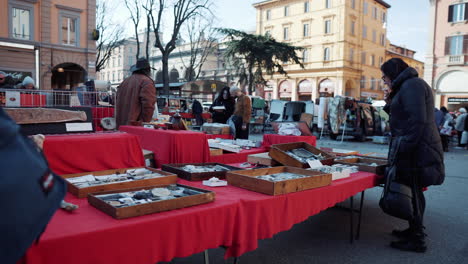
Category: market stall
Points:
column 236, row 220
column 89, row 152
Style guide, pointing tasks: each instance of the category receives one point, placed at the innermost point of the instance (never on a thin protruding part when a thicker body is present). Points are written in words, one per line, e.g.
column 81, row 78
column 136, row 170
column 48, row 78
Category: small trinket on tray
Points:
column 215, row 182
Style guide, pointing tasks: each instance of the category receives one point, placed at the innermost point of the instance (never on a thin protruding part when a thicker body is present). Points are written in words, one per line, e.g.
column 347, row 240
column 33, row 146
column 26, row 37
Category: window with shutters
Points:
column 286, row 33
column 326, row 54
column 372, row 60
column 353, row 28
column 364, row 9
column 380, row 61
column 305, row 55
column 374, row 12
column 384, row 17
column 372, row 83
column 306, row 7
column 454, row 45
column 374, row 36
column 328, row 3
column 327, row 26
column 353, row 4
column 268, row 14
column 351, row 54
column 364, row 32
column 286, row 11
column 457, row 13
column 382, row 39
column 306, row 31
column 363, row 82
column 363, row 58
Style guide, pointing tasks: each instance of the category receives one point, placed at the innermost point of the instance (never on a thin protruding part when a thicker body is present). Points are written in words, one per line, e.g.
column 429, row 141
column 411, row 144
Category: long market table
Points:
column 75, row 153
column 272, row 139
column 237, row 219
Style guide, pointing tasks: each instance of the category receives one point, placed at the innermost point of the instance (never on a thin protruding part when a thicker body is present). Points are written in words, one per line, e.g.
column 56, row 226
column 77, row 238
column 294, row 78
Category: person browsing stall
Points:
column 416, row 148
column 136, row 95
column 223, row 106
column 242, row 113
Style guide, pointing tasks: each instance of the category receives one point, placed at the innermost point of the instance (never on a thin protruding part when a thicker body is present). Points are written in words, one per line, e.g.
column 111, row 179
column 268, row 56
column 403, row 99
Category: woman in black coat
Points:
column 416, row 148
column 225, row 100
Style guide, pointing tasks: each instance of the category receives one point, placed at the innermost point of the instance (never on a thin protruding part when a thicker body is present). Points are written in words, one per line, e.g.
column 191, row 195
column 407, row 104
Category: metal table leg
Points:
column 351, row 214
column 207, row 257
column 360, row 216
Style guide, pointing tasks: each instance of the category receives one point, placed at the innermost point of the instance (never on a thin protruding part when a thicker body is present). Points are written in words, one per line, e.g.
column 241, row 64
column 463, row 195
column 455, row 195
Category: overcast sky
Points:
column 408, row 23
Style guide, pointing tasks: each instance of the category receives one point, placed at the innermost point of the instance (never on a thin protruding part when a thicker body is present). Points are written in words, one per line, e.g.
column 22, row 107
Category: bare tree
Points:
column 111, row 35
column 135, row 8
column 200, row 33
column 182, row 11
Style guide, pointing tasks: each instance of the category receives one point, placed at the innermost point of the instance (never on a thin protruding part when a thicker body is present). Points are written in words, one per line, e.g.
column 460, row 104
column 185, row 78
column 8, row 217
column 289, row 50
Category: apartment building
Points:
column 52, row 41
column 344, row 41
column 446, row 68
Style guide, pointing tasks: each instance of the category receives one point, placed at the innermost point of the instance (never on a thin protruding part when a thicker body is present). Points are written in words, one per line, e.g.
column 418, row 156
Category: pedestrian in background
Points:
column 460, row 125
column 242, row 113
column 446, row 129
column 225, row 100
column 136, row 95
column 418, row 155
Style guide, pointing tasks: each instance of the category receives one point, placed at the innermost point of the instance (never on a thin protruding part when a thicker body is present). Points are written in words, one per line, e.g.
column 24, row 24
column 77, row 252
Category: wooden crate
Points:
column 262, row 158
column 246, row 179
column 153, row 207
column 199, row 176
column 379, row 170
column 83, row 192
column 216, row 152
column 278, row 153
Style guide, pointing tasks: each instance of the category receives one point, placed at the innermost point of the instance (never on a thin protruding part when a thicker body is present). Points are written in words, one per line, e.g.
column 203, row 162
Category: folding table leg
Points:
column 360, row 216
column 351, row 214
column 207, row 257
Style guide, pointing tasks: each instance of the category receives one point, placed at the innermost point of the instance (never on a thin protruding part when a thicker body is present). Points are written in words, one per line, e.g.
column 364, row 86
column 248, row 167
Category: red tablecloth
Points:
column 237, row 157
column 272, row 139
column 237, row 219
column 100, row 113
column 209, row 136
column 171, row 146
column 91, row 152
column 188, row 115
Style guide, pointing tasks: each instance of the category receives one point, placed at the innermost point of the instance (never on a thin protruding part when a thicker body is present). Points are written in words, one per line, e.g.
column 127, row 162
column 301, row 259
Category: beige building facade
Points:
column 344, row 41
column 446, row 68
column 49, row 40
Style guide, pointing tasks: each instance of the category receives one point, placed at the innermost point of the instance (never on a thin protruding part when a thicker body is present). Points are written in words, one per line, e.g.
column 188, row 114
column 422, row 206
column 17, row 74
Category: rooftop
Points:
column 272, row 1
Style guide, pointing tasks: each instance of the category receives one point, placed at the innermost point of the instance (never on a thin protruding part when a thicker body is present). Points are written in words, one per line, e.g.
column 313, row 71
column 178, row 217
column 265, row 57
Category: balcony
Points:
column 456, row 60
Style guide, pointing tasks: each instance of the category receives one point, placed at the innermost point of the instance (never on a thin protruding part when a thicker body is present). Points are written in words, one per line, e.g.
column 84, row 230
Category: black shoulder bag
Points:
column 396, row 197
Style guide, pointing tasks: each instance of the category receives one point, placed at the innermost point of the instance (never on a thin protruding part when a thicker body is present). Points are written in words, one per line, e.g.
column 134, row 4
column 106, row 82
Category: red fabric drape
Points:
column 171, row 146
column 92, row 152
column 272, row 139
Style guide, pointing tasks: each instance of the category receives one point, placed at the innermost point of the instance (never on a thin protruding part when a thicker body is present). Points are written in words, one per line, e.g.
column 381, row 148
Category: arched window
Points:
column 159, row 77
column 326, row 54
column 174, row 76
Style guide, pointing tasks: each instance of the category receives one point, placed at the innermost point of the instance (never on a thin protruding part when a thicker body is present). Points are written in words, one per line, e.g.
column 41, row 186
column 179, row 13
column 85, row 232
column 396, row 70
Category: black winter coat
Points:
column 416, row 147
column 222, row 117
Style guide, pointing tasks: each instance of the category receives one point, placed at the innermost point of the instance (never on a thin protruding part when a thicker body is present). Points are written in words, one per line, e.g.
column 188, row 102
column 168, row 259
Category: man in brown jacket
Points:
column 242, row 113
column 136, row 96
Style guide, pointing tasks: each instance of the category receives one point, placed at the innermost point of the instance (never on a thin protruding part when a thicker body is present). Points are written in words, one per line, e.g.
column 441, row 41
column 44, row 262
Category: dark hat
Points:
column 142, row 64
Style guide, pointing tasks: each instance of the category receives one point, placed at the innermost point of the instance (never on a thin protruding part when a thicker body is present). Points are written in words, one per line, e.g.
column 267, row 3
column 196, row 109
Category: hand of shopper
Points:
column 244, row 126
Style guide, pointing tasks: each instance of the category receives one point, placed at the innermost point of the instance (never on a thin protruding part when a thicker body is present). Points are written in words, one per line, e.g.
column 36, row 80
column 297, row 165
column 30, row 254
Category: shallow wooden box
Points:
column 198, row 176
column 83, row 192
column 262, row 158
column 153, row 207
column 216, row 152
column 379, row 170
column 246, row 179
column 339, row 152
column 278, row 153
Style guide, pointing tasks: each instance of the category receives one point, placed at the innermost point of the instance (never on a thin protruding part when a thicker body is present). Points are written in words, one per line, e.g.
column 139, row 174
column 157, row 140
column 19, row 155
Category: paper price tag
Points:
column 314, row 163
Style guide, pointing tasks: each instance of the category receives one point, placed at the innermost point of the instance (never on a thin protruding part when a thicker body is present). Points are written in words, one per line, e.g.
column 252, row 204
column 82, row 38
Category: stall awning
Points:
column 171, row 85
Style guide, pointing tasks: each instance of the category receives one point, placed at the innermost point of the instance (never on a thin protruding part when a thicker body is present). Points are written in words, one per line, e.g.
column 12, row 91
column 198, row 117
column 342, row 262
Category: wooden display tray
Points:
column 246, row 179
column 262, row 158
column 216, row 152
column 379, row 170
column 83, row 192
column 198, row 176
column 278, row 153
column 338, row 153
column 153, row 207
